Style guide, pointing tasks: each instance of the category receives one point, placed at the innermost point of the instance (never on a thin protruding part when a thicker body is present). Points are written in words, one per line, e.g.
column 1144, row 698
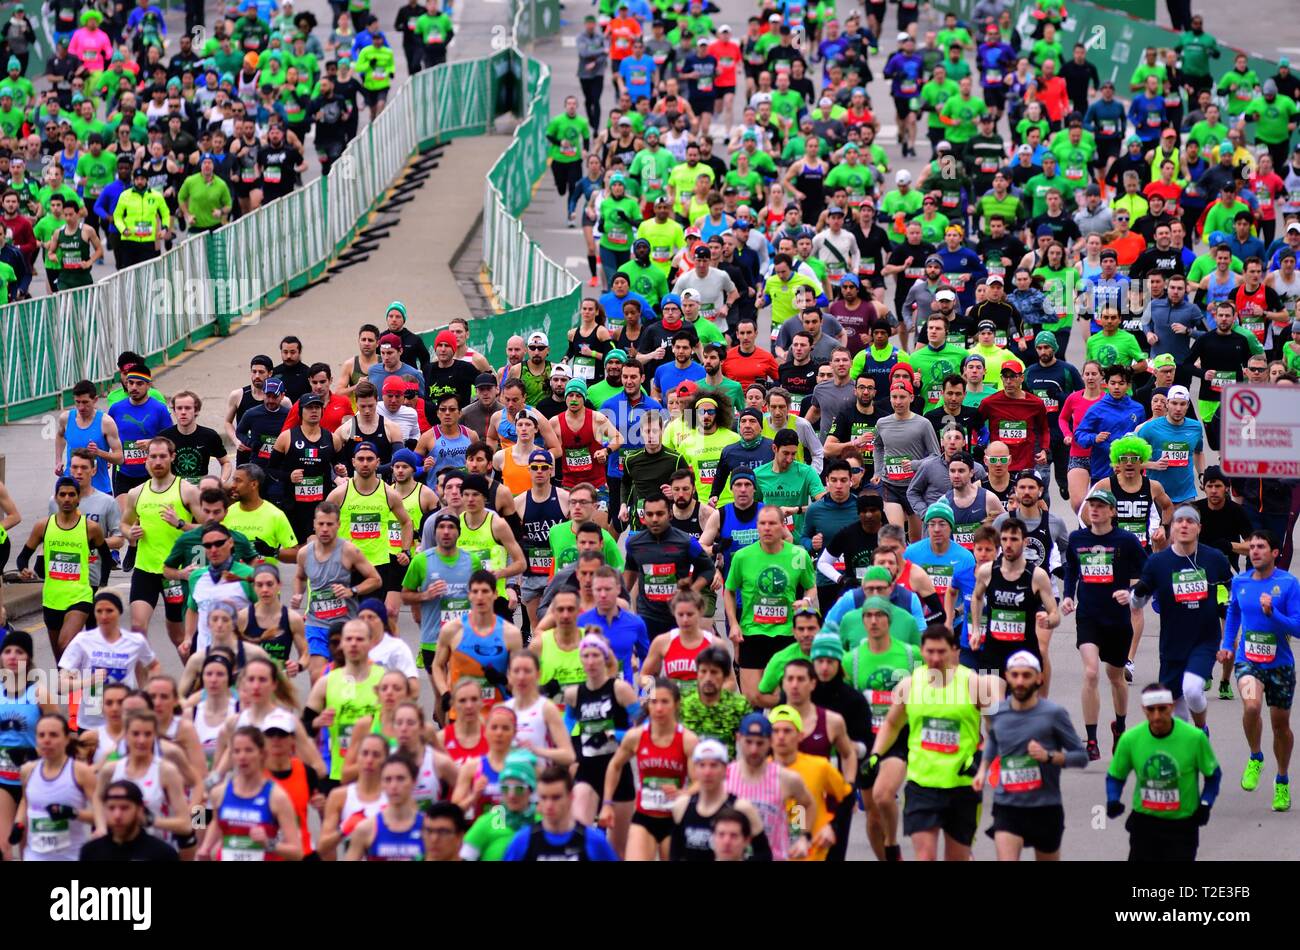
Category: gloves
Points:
column 1202, row 815
column 61, row 812
column 1114, row 808
column 972, row 766
column 870, row 768
column 314, row 856
column 16, row 833
column 446, row 702
column 494, row 676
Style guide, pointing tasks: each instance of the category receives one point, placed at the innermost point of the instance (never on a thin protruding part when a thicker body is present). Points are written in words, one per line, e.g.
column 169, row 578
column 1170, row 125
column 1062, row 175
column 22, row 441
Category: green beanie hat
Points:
column 520, row 766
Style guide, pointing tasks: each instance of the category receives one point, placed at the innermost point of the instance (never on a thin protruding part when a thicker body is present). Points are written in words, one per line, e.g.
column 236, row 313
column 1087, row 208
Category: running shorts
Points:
column 953, row 810
column 1278, row 682
column 1041, row 827
column 1112, row 640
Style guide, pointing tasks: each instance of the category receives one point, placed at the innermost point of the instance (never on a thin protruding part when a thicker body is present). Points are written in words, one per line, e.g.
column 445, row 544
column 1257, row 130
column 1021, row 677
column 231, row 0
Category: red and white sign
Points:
column 1260, row 434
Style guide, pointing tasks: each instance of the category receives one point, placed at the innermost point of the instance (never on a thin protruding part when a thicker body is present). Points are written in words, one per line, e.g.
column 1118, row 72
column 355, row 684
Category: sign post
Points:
column 1260, row 436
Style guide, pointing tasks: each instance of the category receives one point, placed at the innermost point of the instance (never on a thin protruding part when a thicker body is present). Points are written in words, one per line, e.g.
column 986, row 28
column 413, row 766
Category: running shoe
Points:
column 1281, row 796
column 571, row 222
column 1128, row 671
column 594, row 281
column 1206, row 687
column 1225, row 689
column 1094, row 753
column 1250, row 777
column 1115, row 733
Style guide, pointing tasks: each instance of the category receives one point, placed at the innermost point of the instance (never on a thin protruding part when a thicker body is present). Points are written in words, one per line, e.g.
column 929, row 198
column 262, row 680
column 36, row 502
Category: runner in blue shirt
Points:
column 625, row 631
column 1263, row 616
column 948, row 564
column 1177, row 446
column 1181, row 578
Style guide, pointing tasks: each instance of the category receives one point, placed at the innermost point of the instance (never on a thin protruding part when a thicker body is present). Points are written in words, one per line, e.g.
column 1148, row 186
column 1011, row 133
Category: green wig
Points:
column 1130, row 445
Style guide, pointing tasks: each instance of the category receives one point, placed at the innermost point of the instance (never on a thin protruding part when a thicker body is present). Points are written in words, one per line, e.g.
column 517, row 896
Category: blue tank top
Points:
column 390, row 845
column 18, row 717
column 740, row 532
column 488, row 652
column 79, row 438
column 448, row 451
column 238, row 816
column 538, row 519
column 1216, row 292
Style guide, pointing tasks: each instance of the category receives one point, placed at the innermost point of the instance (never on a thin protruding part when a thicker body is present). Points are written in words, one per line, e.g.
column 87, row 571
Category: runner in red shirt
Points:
column 1018, row 418
column 727, row 52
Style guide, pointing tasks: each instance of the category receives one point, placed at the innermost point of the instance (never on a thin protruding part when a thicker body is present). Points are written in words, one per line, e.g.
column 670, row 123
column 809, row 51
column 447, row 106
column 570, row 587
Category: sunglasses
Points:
column 215, row 544
column 513, row 789
column 998, row 459
column 538, row 348
column 856, row 471
column 539, row 467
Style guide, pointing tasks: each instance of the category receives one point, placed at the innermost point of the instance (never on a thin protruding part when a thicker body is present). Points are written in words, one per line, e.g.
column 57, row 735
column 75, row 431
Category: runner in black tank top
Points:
column 247, row 402
column 1133, row 509
column 1009, row 617
column 593, row 366
column 692, row 838
column 378, row 438
column 316, row 459
column 538, row 518
column 600, row 715
column 812, row 182
column 690, row 525
column 278, row 647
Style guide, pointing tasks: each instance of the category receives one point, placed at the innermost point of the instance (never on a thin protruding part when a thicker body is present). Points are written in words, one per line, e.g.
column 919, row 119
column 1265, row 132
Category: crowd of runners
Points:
column 668, row 591
column 127, row 140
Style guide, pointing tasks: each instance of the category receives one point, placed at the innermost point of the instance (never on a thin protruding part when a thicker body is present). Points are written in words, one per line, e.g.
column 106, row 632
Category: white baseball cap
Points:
column 1024, row 660
column 709, row 750
column 1179, row 392
column 280, row 719
column 904, row 177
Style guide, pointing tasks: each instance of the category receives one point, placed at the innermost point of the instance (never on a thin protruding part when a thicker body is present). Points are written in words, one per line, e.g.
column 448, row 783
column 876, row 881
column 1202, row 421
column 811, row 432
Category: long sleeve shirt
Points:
column 1265, row 639
column 1117, row 418
column 1023, row 782
column 1020, row 423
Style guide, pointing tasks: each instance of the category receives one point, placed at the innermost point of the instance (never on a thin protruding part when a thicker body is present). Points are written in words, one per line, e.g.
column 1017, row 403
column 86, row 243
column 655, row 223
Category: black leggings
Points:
column 567, row 175
column 592, row 89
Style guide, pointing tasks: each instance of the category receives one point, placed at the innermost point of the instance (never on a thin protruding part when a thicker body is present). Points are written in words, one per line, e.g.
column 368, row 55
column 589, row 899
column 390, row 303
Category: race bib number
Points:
column 1013, row 431
column 1176, row 454
column 1020, row 773
column 241, row 848
column 131, row 455
column 1051, row 404
column 1222, row 378
column 174, row 593
column 770, row 611
column 579, row 458
column 325, row 606
column 940, row 735
column 1007, row 625
column 1190, row 587
column 394, row 534
column 364, row 525
column 964, row 534
column 1160, row 795
column 655, row 794
column 310, row 489
column 272, row 175
column 940, row 576
column 584, row 367
column 64, row 567
column 659, row 582
column 1097, row 567
column 49, row 834
column 898, row 468
column 540, row 561
column 1261, row 646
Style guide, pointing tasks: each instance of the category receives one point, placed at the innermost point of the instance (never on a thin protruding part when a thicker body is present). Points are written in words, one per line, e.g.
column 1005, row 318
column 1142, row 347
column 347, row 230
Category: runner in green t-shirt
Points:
column 788, row 484
column 1169, row 804
column 773, row 578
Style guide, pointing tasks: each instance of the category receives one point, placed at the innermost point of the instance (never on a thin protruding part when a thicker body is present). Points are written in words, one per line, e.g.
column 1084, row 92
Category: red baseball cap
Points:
column 395, row 384
column 1013, row 366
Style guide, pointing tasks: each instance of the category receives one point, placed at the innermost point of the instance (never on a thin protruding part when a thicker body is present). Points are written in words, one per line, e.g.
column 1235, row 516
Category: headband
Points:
column 1157, row 697
column 591, row 641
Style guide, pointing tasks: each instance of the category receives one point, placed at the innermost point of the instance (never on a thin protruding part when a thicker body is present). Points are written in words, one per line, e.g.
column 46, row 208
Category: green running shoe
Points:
column 1225, row 689
column 1281, row 797
column 1250, row 777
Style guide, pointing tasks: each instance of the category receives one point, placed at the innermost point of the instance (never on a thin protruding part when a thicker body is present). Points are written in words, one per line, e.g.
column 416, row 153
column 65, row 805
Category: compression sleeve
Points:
column 1211, row 790
column 1115, row 788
